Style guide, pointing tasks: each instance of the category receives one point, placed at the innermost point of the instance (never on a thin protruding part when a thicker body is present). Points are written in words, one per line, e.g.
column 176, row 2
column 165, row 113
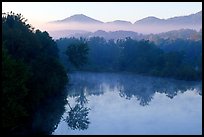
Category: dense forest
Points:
column 179, row 58
column 31, row 73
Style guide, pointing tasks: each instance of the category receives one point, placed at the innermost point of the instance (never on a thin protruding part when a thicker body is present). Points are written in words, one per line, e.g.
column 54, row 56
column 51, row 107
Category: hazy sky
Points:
column 38, row 13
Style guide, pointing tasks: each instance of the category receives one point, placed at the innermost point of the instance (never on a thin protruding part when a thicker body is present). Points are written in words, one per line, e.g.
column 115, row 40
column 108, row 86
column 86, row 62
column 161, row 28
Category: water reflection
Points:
column 109, row 103
column 81, row 99
column 144, row 88
column 77, row 116
column 48, row 116
column 128, row 86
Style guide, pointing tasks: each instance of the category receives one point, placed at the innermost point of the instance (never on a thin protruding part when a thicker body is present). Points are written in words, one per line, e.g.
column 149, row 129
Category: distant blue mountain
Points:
column 79, row 18
column 195, row 19
column 120, row 22
column 146, row 25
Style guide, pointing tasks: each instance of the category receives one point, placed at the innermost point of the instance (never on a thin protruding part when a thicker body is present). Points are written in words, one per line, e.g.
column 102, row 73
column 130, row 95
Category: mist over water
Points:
column 132, row 104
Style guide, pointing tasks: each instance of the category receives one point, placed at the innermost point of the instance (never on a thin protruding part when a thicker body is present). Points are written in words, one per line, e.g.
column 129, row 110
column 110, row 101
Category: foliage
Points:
column 77, row 54
column 31, row 71
column 15, row 76
column 179, row 58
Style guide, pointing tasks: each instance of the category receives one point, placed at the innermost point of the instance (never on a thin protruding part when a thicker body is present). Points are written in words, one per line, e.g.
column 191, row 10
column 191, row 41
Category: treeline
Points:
column 179, row 59
column 184, row 34
column 31, row 73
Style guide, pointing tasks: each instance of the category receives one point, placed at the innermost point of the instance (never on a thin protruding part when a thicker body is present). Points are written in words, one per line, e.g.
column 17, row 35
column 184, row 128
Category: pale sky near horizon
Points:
column 38, row 13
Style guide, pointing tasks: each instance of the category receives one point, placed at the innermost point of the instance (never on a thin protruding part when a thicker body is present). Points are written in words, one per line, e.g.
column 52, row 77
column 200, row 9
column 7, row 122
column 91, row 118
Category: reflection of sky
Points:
column 112, row 114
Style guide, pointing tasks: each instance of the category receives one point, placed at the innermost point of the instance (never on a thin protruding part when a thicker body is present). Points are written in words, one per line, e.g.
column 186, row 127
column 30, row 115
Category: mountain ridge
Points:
column 78, row 18
column 83, row 18
column 146, row 25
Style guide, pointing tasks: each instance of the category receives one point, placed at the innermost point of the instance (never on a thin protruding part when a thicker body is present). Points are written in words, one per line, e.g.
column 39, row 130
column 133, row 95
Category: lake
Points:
column 126, row 104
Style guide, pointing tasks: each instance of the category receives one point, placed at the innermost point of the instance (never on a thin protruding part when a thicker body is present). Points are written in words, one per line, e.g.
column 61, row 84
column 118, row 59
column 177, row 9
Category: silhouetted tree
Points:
column 77, row 54
column 31, row 71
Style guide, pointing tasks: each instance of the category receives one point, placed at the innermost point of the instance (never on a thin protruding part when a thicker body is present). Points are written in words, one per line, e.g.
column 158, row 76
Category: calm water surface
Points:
column 114, row 103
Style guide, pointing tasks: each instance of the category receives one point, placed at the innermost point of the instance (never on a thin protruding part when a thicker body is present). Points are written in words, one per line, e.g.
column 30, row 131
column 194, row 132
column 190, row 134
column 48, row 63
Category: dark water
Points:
column 111, row 103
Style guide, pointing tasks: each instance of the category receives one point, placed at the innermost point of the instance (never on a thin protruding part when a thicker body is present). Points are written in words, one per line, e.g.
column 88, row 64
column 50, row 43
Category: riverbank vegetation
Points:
column 179, row 59
column 31, row 72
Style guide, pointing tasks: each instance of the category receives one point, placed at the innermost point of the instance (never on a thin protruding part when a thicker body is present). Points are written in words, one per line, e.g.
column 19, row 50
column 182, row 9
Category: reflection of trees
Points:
column 141, row 87
column 77, row 117
column 79, row 86
column 143, row 94
column 81, row 99
column 144, row 88
column 48, row 116
column 93, row 83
